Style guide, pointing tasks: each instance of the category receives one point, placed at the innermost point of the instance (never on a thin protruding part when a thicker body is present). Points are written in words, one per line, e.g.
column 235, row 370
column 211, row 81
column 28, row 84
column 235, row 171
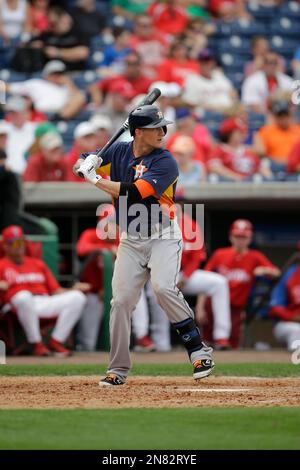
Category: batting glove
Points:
column 88, row 168
column 94, row 160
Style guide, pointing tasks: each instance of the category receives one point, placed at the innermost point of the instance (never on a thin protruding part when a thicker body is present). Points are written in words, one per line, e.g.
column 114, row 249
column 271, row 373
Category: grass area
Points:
column 233, row 428
column 247, row 369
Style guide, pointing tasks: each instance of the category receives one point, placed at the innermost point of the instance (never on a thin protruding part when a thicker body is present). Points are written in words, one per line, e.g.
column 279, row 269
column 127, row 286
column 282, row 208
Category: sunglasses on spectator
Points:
column 271, row 62
column 135, row 62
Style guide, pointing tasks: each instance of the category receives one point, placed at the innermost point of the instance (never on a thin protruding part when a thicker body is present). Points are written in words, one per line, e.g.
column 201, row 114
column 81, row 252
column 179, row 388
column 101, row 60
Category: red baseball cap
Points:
column 241, row 228
column 232, row 124
column 13, row 232
column 123, row 88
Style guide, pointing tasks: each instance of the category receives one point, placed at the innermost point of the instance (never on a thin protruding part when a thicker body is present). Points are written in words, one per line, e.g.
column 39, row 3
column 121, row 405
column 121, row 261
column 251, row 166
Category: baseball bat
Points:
column 149, row 99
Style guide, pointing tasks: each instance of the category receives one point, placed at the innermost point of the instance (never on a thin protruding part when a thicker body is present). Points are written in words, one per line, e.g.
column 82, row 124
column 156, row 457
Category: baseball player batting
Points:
column 145, row 174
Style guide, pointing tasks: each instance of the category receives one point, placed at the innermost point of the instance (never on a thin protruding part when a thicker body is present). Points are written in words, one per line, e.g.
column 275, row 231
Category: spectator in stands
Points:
column 133, row 79
column 232, row 159
column 151, row 44
column 210, row 90
column 116, row 102
column 65, row 41
column 277, row 140
column 285, row 306
column 296, row 64
column 103, row 129
column 38, row 16
column 259, row 49
column 228, row 10
column 91, row 241
column 168, row 16
column 88, row 18
column 130, row 8
column 48, row 164
column 10, row 194
column 33, row 114
column 30, row 288
column 293, row 162
column 191, row 172
column 178, row 66
column 115, row 53
column 20, row 133
column 40, row 130
column 54, row 93
column 240, row 265
column 261, row 85
column 196, row 35
column 85, row 141
column 13, row 19
column 188, row 125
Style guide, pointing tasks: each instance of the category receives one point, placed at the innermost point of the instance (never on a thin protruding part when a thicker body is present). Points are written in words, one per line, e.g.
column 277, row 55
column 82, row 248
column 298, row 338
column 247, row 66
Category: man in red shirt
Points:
column 169, row 17
column 149, row 43
column 30, row 288
column 231, row 158
column 48, row 164
column 240, row 265
column 132, row 80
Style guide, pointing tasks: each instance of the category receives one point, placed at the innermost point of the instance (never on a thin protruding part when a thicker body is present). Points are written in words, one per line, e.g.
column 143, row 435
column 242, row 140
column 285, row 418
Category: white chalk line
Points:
column 218, row 390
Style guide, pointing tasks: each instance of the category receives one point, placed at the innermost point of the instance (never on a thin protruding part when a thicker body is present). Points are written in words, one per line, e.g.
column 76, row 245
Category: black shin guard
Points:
column 189, row 334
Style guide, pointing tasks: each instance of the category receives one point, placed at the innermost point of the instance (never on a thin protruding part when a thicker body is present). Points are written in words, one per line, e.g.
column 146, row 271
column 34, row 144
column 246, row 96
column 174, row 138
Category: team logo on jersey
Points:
column 140, row 169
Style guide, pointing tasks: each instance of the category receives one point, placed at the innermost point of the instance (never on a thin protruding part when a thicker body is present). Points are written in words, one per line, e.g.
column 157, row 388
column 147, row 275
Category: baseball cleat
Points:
column 144, row 344
column 40, row 350
column 202, row 368
column 112, row 379
column 222, row 345
column 58, row 349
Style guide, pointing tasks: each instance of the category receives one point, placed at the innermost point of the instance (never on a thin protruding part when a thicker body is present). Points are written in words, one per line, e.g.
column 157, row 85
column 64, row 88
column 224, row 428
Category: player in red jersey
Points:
column 240, row 265
column 30, row 288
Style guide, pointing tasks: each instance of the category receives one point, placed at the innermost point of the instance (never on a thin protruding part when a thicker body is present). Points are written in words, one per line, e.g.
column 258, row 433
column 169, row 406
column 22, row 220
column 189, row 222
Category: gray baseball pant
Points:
column 137, row 260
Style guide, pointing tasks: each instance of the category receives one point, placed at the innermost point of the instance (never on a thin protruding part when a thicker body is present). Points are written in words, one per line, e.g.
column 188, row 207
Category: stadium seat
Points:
column 285, row 26
column 223, row 29
column 236, row 77
column 244, row 27
column 234, row 45
column 82, row 80
column 290, row 9
column 261, row 12
column 256, row 120
column 284, row 46
column 12, row 76
column 232, row 63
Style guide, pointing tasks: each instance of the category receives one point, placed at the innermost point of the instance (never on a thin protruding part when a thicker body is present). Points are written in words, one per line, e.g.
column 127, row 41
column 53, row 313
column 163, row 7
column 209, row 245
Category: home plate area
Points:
column 147, row 392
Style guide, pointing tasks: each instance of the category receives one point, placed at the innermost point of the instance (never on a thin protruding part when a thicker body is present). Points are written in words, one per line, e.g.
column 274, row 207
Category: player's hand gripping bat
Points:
column 149, row 99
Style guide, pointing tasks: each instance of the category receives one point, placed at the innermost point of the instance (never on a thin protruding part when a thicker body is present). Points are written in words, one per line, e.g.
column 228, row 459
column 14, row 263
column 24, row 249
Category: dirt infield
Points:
column 146, row 392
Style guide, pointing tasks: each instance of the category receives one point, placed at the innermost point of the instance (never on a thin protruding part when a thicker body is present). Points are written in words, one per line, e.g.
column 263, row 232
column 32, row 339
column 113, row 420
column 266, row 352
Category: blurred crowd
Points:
column 227, row 71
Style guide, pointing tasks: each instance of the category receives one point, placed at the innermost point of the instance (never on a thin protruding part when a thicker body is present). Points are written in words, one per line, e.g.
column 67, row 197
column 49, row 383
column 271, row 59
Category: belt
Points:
column 147, row 232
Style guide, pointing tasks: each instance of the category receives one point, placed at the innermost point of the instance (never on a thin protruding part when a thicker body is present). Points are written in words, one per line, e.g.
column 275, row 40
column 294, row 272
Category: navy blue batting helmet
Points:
column 147, row 117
